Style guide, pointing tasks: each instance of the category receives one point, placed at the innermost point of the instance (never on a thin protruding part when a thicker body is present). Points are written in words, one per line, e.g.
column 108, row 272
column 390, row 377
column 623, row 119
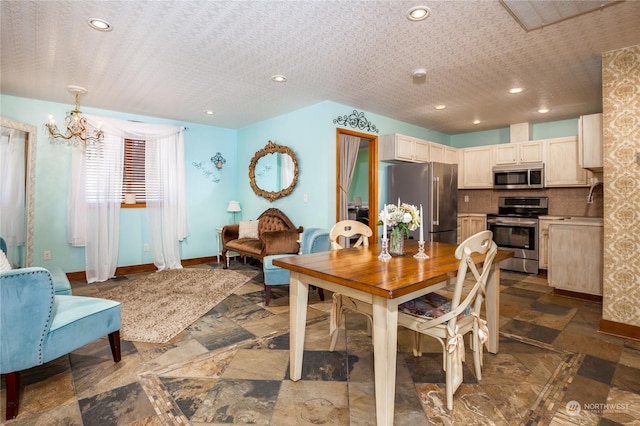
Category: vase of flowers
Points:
column 399, row 220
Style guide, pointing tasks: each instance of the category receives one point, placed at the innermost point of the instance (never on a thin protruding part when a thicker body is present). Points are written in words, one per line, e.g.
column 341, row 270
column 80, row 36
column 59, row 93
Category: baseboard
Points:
column 147, row 267
column 619, row 329
column 576, row 295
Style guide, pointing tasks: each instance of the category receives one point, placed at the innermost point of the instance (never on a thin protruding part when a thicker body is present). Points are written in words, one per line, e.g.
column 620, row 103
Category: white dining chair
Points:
column 448, row 320
column 348, row 229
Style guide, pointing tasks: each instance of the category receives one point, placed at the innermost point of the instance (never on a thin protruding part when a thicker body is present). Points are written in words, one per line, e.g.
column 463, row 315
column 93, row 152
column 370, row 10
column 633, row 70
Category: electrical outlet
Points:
column 466, row 198
column 305, row 198
column 146, row 247
column 46, row 255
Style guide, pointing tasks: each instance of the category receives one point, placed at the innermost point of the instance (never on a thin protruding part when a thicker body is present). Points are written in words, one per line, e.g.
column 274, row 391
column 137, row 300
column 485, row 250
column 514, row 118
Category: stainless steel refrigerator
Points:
column 435, row 186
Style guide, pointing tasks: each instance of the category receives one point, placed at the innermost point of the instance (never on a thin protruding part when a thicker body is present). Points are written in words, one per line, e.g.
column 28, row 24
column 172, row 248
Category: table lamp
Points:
column 234, row 207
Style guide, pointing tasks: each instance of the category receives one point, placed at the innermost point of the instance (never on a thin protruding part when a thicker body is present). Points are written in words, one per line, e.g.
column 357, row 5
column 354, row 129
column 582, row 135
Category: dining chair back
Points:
column 349, row 229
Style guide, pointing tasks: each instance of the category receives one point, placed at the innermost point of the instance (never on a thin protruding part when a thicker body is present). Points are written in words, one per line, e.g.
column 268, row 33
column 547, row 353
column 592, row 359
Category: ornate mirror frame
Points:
column 30, row 184
column 272, row 148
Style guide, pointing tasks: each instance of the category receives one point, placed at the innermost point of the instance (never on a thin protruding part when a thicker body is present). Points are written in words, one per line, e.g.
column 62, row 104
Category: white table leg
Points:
column 492, row 304
column 298, row 299
column 385, row 342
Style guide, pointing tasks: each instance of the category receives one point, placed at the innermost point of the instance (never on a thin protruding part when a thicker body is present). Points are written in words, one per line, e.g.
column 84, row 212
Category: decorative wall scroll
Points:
column 208, row 171
column 356, row 120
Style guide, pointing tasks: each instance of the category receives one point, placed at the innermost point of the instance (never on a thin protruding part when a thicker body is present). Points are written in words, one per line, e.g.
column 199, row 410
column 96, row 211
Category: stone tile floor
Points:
column 231, row 367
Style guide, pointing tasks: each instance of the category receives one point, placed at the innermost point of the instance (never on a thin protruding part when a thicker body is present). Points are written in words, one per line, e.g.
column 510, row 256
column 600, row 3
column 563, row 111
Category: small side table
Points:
column 230, row 254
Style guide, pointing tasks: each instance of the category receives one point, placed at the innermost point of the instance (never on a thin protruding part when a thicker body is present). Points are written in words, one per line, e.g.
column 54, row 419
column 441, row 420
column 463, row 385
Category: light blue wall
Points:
column 360, row 181
column 552, row 129
column 206, row 200
column 310, row 132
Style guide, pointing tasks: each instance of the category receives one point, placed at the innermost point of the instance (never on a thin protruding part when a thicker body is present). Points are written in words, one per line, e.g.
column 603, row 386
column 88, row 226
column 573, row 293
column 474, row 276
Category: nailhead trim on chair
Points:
column 49, row 316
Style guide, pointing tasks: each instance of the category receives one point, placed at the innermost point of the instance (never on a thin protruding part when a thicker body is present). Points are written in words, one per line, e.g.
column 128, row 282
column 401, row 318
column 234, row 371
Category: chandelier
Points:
column 76, row 132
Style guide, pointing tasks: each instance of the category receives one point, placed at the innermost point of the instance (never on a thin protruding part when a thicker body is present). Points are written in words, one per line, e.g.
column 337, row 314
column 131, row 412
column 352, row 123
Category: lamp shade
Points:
column 234, row 206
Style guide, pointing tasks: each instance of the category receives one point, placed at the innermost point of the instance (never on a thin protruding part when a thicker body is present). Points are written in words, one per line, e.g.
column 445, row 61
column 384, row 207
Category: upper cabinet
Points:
column 519, row 153
column 590, row 142
column 475, row 169
column 561, row 163
column 442, row 153
column 396, row 147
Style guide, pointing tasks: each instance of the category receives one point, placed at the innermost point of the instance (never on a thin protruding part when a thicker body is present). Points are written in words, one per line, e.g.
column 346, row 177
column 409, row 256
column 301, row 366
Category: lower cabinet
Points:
column 575, row 257
column 543, row 241
column 470, row 224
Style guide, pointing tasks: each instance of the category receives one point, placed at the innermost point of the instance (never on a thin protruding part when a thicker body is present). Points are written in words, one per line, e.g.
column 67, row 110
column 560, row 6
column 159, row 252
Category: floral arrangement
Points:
column 402, row 218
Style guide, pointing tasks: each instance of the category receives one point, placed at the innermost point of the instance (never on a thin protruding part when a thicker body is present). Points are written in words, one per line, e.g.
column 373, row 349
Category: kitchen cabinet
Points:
column 396, row 147
column 450, row 155
column 518, row 153
column 470, row 224
column 590, row 142
column 442, row 153
column 575, row 255
column 561, row 163
column 543, row 240
column 475, row 167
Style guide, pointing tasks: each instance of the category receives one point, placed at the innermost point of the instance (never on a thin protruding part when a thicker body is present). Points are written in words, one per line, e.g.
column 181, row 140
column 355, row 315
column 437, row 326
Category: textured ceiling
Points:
column 177, row 59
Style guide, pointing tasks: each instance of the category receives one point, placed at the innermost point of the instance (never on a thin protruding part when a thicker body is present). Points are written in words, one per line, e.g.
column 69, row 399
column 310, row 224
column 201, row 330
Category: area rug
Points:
column 157, row 307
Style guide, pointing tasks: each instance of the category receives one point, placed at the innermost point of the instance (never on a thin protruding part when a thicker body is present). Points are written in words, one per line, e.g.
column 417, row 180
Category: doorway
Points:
column 370, row 143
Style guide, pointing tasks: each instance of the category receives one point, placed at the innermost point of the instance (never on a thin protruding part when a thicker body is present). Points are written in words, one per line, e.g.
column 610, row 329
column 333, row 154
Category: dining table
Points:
column 384, row 283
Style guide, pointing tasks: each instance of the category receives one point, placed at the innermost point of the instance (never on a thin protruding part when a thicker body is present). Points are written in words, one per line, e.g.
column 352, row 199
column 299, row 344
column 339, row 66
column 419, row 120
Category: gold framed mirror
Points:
column 273, row 171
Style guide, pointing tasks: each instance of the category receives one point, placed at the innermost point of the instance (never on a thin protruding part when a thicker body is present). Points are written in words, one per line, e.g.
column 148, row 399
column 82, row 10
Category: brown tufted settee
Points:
column 276, row 235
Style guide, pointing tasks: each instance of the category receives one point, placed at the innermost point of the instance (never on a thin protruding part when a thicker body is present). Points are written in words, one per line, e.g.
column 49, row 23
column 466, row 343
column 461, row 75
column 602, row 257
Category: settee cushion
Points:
column 248, row 229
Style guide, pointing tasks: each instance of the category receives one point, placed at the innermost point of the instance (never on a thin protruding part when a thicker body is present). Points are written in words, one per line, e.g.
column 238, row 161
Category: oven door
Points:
column 519, row 235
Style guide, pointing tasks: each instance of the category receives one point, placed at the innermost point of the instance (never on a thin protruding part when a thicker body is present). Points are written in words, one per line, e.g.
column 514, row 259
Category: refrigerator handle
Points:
column 436, row 207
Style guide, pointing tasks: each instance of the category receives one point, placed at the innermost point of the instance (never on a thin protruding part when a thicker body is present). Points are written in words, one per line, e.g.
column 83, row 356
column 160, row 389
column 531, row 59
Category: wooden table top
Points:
column 360, row 269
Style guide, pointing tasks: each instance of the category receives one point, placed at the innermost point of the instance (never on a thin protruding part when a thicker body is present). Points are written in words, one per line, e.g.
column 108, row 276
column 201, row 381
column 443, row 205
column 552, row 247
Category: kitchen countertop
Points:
column 581, row 221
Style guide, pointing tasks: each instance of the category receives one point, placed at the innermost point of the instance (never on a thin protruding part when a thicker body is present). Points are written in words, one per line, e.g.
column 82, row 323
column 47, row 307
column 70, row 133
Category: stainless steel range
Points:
column 515, row 228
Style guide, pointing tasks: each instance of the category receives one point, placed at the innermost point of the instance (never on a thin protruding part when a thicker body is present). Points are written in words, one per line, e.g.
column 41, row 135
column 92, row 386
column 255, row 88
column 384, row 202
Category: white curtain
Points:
column 95, row 195
column 12, row 192
column 166, row 202
column 349, row 147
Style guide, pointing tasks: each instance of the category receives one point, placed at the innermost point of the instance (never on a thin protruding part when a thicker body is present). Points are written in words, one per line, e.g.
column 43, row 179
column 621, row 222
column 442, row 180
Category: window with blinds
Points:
column 133, row 170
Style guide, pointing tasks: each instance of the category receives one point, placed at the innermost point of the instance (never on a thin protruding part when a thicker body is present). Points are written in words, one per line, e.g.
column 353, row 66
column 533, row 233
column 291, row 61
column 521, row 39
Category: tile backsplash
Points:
column 562, row 201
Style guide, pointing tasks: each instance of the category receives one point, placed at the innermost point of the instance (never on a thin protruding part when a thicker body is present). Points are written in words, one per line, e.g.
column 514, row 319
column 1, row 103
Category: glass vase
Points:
column 396, row 242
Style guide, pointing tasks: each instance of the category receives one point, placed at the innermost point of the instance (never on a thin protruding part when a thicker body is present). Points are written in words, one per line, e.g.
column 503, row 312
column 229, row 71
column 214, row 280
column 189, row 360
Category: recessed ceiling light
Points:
column 418, row 13
column 440, row 106
column 208, row 112
column 516, row 90
column 100, row 24
column 476, row 121
column 279, row 78
column 544, row 110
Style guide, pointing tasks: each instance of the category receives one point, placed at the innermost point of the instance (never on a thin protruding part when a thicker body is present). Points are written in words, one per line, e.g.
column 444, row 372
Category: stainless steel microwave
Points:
column 519, row 176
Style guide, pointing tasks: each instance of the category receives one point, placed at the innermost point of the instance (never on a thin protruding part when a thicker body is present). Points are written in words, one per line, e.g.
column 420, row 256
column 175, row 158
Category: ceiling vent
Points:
column 533, row 15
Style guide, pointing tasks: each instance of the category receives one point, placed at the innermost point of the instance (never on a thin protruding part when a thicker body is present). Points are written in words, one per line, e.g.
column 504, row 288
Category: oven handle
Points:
column 505, row 222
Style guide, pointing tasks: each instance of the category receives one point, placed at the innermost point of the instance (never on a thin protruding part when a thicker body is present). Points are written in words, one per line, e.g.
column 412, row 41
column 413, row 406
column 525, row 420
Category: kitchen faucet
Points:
column 590, row 196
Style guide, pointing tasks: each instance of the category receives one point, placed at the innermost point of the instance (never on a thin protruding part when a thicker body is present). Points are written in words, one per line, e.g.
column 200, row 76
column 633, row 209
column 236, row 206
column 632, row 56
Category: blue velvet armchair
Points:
column 314, row 240
column 38, row 326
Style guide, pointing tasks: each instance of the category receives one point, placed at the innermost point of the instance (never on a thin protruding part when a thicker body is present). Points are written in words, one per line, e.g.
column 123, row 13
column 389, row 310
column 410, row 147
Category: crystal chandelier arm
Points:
column 76, row 125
